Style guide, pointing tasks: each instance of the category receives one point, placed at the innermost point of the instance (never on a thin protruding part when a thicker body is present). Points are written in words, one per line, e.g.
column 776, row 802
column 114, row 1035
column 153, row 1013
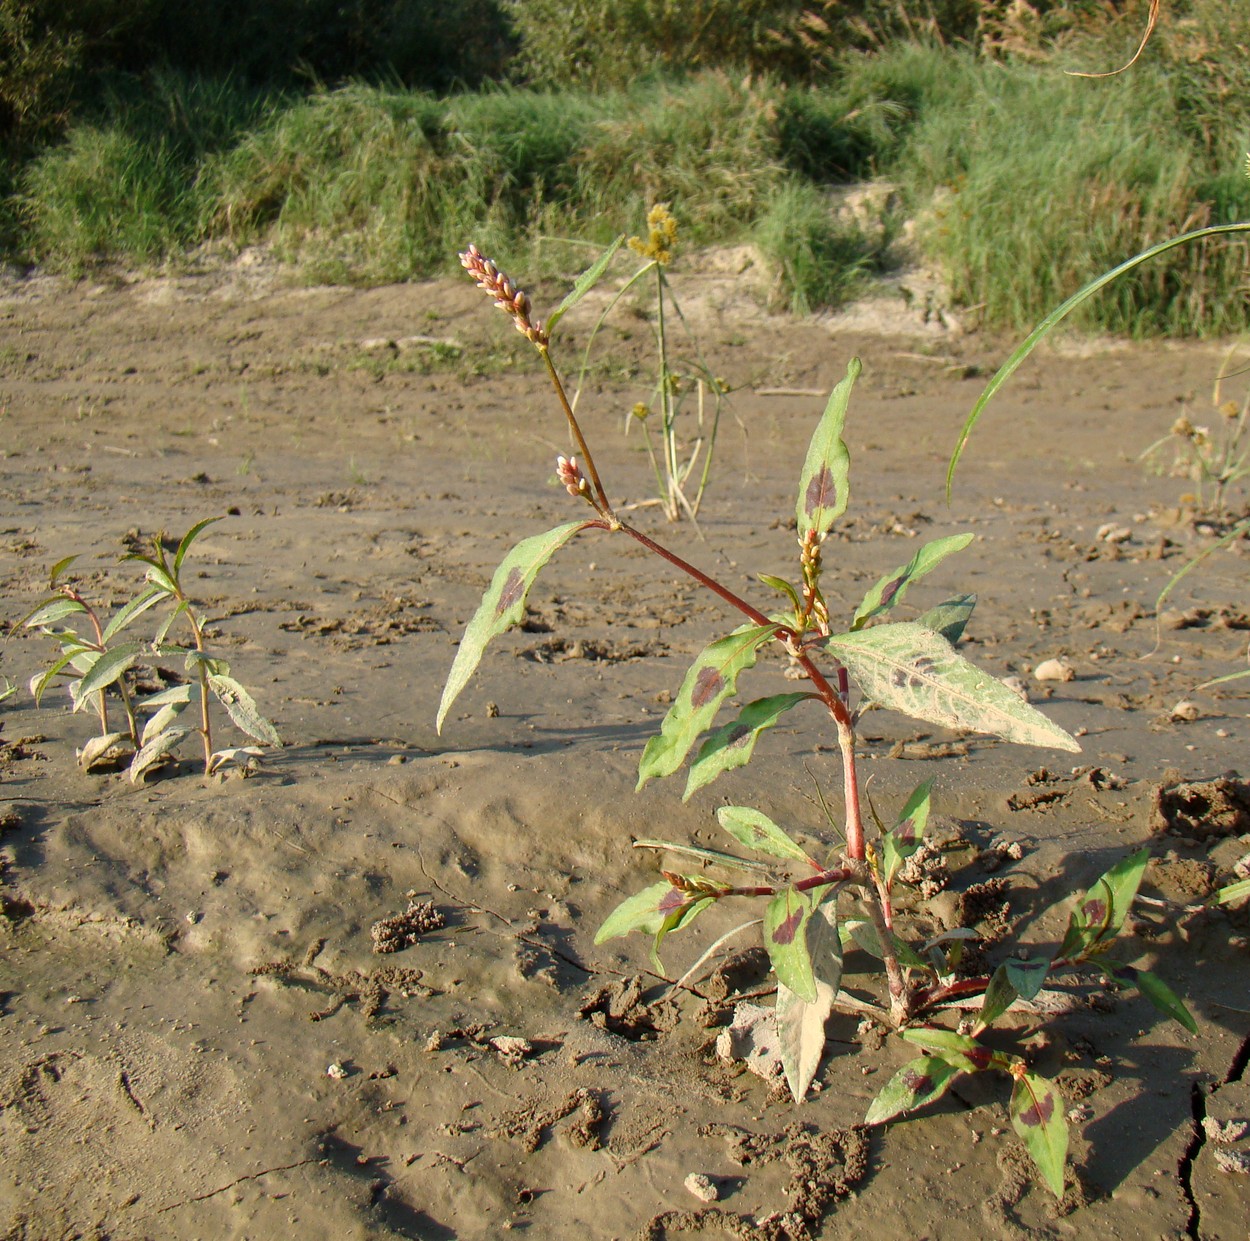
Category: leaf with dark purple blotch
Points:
column 1037, row 1115
column 891, row 588
column 916, row 1084
column 824, row 484
column 713, row 677
column 785, row 940
column 732, row 745
column 641, row 912
column 757, row 831
column 960, row 1050
column 1100, row 912
column 502, row 606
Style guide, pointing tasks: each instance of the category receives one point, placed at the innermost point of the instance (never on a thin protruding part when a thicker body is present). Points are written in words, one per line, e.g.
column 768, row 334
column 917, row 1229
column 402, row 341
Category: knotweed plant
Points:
column 681, row 463
column 97, row 657
column 813, row 907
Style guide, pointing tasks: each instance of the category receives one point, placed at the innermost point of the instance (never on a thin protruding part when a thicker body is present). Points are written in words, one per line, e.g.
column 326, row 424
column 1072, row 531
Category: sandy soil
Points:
column 181, row 963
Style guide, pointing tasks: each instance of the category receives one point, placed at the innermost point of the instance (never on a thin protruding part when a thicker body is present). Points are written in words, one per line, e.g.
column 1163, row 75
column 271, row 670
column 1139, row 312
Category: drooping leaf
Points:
column 109, row 668
column 824, row 484
column 242, row 709
column 713, row 677
column 714, row 856
column 950, row 618
column 1027, row 977
column 161, row 720
column 864, row 935
column 108, row 747
column 212, row 665
column 914, row 670
column 187, row 539
column 757, row 831
column 733, row 744
column 1037, row 1115
column 242, row 755
column 41, row 680
column 1000, row 995
column 640, row 912
column 801, row 1025
column 689, row 908
column 1099, row 914
column 157, row 574
column 917, row 1083
column 1158, row 993
column 49, row 612
column 891, row 588
column 584, row 283
column 135, row 608
column 960, row 1050
column 785, row 940
column 502, row 606
column 156, row 752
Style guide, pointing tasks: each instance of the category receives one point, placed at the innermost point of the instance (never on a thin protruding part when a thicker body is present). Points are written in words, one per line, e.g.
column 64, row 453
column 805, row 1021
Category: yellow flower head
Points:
column 661, row 237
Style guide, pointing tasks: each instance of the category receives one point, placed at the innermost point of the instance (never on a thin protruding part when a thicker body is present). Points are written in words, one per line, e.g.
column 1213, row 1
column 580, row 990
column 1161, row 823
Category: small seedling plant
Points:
column 96, row 654
column 815, row 907
column 682, row 466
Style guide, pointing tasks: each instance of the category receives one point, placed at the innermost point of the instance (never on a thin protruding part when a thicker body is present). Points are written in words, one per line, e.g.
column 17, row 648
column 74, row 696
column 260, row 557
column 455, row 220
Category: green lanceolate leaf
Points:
column 59, row 569
column 911, row 669
column 783, row 587
column 824, row 485
column 40, row 681
column 864, row 935
column 891, row 588
column 1100, row 912
column 712, row 678
column 801, row 1025
column 950, row 618
column 917, row 1083
column 1037, row 1116
column 1158, row 993
column 903, row 839
column 733, row 745
column 49, row 612
column 161, row 720
column 757, row 831
column 686, row 907
column 135, row 608
column 640, row 912
column 168, row 623
column 714, row 856
column 1027, row 977
column 785, row 940
column 187, row 539
column 584, row 283
column 1000, row 995
column 242, row 709
column 106, row 670
column 960, row 1050
column 502, row 606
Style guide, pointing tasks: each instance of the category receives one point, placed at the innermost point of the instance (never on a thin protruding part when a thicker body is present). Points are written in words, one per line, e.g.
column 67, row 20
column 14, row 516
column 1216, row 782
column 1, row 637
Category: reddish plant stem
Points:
column 835, row 874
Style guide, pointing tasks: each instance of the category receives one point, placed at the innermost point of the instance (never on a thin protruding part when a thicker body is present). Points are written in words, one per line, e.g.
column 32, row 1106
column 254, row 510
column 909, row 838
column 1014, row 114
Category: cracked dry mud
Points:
column 163, row 948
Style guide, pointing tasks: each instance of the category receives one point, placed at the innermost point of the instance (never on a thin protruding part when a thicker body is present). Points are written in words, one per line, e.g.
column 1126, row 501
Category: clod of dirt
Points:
column 1225, row 1132
column 752, row 1039
column 1185, row 712
column 702, row 1186
column 1203, row 810
column 512, row 1050
column 1181, row 879
column 403, row 930
column 619, row 1008
column 1236, row 1163
column 1054, row 670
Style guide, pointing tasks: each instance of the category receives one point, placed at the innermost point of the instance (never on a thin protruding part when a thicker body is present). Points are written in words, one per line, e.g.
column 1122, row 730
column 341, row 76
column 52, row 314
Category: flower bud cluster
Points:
column 810, row 564
column 570, row 474
column 507, row 296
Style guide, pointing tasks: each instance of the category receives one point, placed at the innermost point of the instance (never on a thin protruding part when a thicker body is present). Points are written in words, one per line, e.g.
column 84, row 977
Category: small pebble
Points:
column 1186, row 710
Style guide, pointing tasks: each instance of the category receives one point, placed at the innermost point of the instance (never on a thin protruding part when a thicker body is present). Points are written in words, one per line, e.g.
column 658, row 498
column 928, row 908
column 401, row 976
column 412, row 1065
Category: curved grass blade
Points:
column 584, row 283
column 824, row 485
column 713, row 856
column 949, row 618
column 911, row 669
column 241, row 708
column 1037, row 1116
column 1233, row 893
column 757, row 831
column 800, row 1024
column 891, row 588
column 917, row 1083
column 712, row 679
column 502, row 606
column 732, row 745
column 1061, row 312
